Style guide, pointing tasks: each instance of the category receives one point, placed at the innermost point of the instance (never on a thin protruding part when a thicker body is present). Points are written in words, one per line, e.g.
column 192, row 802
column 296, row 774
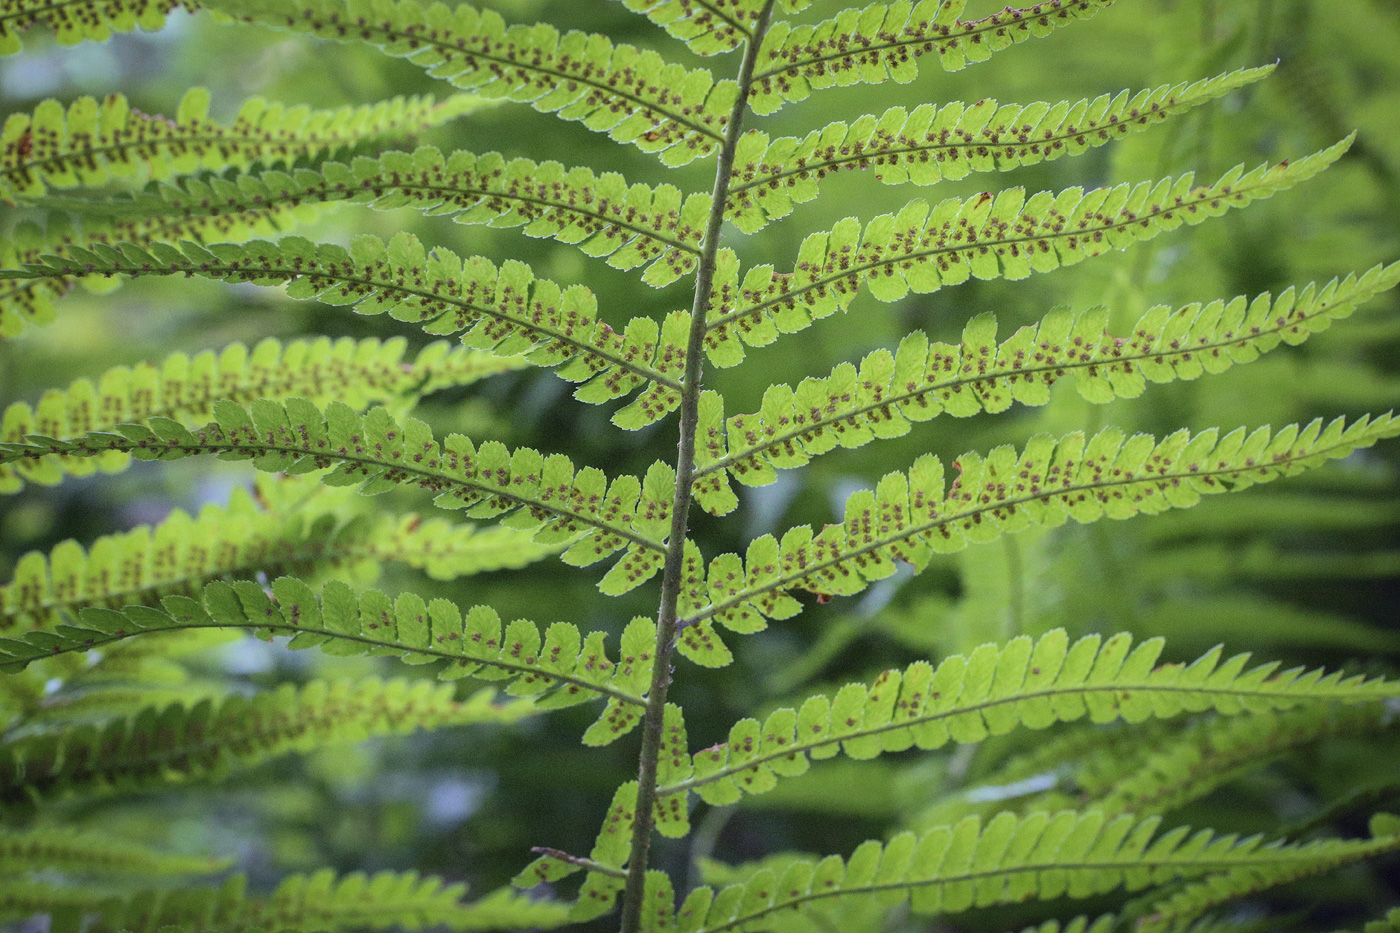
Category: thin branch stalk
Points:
column 666, row 629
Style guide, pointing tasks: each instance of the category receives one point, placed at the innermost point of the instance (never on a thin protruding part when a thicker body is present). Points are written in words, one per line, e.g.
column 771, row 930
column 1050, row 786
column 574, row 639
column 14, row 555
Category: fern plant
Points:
column 96, row 641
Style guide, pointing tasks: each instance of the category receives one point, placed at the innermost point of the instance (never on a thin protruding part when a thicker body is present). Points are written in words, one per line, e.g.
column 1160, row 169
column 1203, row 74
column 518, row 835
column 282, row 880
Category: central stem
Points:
column 680, row 505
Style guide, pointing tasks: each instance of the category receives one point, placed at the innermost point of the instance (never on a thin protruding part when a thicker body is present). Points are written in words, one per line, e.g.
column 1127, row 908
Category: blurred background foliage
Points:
column 1307, row 571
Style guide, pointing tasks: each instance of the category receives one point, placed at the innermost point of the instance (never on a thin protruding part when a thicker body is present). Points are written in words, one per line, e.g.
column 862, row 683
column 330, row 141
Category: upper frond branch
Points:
column 634, row 96
column 708, row 27
column 884, row 41
column 628, row 224
column 94, row 142
column 997, row 689
column 559, row 663
column 182, row 554
column 504, row 309
column 930, row 144
column 922, row 379
column 1003, row 236
column 907, row 518
column 75, row 22
column 955, row 868
column 185, row 388
column 377, row 452
column 55, row 848
column 209, row 739
column 323, row 901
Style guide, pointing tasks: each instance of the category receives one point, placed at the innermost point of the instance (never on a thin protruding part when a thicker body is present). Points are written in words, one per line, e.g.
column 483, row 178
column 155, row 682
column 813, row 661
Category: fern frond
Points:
column 1290, row 863
column 955, row 868
column 185, row 388
column 319, row 901
column 929, row 144
column 993, row 691
column 1188, row 766
column 708, row 27
column 77, row 22
column 95, row 142
column 182, row 554
column 884, row 42
column 920, row 380
column 606, row 864
column 634, row 96
column 561, row 663
column 158, row 746
column 377, row 452
column 61, row 849
column 907, row 518
column 628, row 224
column 504, row 309
column 32, row 300
column 1004, row 236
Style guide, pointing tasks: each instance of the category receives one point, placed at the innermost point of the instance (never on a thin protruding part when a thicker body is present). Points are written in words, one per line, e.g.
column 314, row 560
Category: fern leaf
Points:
column 1288, row 863
column 378, row 453
column 321, row 901
column 93, row 143
column 61, row 849
column 1009, row 859
column 884, row 41
column 560, row 663
column 1189, row 766
column 629, row 224
column 929, row 144
column 993, row 691
column 708, row 27
column 185, row 388
column 634, row 96
column 158, row 746
column 907, row 518
column 32, row 301
column 77, row 22
column 505, row 310
column 1007, row 236
column 182, row 554
column 606, row 864
column 921, row 379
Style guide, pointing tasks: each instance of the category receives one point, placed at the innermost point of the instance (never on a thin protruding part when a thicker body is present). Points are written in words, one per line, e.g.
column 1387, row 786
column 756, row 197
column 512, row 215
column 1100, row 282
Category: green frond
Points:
column 185, row 388
column 708, row 27
column 907, row 518
column 61, row 849
column 921, row 379
column 78, row 22
column 993, row 691
column 1288, row 863
column 1207, row 755
column 884, row 41
column 561, row 663
column 95, row 142
column 32, row 300
column 1008, row 235
column 503, row 309
column 931, row 143
column 177, row 743
column 634, row 96
column 628, row 224
column 238, row 541
column 1009, row 859
column 606, row 864
column 319, row 901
